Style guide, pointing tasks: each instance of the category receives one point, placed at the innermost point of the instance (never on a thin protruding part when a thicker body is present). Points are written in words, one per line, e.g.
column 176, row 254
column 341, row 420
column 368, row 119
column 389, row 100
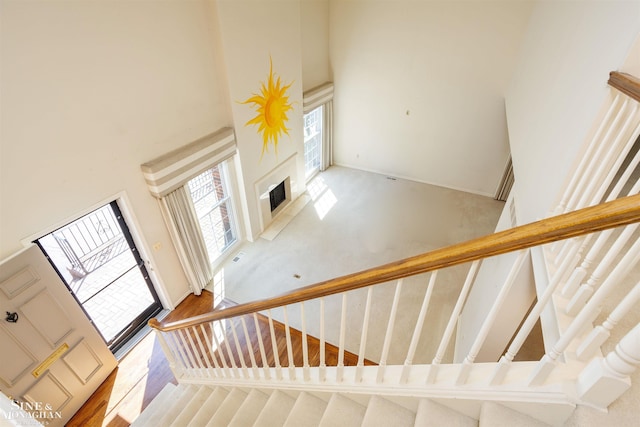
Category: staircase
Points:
column 584, row 261
column 202, row 405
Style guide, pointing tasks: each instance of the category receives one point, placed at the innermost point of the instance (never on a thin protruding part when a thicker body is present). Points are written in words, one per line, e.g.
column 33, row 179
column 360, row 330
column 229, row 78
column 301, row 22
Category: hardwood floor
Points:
column 313, row 344
column 144, row 372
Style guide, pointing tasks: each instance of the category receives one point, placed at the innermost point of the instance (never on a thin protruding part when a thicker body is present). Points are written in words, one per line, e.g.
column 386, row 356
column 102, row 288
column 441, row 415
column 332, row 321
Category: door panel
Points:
column 53, row 394
column 82, row 361
column 52, row 355
column 21, row 361
column 53, row 327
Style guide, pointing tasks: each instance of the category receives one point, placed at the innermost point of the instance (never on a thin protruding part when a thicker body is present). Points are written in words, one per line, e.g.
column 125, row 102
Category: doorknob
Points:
column 11, row 317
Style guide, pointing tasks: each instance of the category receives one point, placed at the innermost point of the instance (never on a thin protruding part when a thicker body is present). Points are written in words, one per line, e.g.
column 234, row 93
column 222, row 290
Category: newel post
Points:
column 605, row 380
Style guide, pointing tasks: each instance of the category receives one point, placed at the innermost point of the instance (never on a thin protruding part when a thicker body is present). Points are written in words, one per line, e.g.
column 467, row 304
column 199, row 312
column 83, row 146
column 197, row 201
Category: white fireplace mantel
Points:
column 286, row 171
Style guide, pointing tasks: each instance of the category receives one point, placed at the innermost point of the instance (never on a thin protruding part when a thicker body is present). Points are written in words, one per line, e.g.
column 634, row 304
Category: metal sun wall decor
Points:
column 272, row 105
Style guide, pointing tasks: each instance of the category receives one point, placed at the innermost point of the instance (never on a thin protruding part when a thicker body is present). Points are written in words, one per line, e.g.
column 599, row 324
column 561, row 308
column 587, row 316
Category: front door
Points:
column 98, row 259
column 52, row 358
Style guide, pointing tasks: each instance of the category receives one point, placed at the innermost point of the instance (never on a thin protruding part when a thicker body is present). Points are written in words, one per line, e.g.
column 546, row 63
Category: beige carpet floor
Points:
column 357, row 220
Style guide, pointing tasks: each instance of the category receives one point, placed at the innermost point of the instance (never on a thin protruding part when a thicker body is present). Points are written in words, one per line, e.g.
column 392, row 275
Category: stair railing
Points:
column 211, row 347
column 594, row 236
column 602, row 173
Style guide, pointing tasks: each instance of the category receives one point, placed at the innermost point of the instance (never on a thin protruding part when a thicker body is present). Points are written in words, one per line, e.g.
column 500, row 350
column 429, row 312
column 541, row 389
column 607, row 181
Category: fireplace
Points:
column 277, row 195
column 276, row 190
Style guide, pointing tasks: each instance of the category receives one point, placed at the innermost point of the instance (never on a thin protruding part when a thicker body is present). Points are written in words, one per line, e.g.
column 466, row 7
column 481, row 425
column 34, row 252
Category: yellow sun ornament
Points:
column 272, row 105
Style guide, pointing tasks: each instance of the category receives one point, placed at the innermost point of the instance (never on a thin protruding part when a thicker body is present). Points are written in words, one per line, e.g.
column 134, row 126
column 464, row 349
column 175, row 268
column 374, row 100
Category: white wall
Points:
column 489, row 281
column 90, row 90
column 557, row 91
column 554, row 98
column 252, row 32
column 420, row 87
column 314, row 26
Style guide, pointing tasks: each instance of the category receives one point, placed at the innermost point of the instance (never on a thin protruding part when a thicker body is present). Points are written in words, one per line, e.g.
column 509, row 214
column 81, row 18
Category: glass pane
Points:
column 113, row 309
column 214, row 210
column 93, row 283
column 312, row 141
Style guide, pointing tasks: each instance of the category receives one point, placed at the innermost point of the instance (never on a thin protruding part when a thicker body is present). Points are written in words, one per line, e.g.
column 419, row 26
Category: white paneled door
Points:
column 51, row 357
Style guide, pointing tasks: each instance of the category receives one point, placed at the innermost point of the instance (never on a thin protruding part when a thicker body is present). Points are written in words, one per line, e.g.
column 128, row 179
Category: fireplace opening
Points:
column 277, row 195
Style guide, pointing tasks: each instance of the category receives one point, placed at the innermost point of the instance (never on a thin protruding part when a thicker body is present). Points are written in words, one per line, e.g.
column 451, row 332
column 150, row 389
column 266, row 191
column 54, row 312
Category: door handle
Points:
column 12, row 317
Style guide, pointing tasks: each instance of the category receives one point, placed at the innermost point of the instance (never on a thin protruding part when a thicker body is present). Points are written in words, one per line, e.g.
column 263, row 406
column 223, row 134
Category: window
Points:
column 312, row 142
column 211, row 198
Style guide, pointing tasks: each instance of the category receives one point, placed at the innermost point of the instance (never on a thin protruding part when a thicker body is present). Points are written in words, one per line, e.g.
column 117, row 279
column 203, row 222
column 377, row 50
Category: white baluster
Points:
column 489, row 321
column 417, row 331
column 605, row 380
column 523, row 333
column 571, row 261
column 600, row 154
column 607, row 170
column 564, row 247
column 228, row 348
column 198, row 359
column 588, row 313
column 243, row 365
column 178, row 349
column 593, row 177
column 185, row 346
column 586, row 290
column 249, row 345
column 305, row 347
column 625, row 178
column 588, row 156
column 220, row 351
column 263, row 354
column 387, row 337
column 323, row 365
column 601, row 333
column 453, row 319
column 274, row 348
column 204, row 353
column 292, row 366
column 210, row 349
column 168, row 351
column 363, row 336
column 580, row 273
column 343, row 326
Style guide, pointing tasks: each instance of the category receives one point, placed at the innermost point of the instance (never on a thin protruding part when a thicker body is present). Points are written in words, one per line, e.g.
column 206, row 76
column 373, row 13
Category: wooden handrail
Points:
column 616, row 213
column 625, row 83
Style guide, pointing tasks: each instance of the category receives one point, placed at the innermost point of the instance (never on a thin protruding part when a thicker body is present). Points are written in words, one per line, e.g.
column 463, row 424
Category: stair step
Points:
column 496, row 415
column 200, row 405
column 209, row 407
column 276, row 410
column 306, row 412
column 382, row 413
column 186, row 394
column 154, row 411
column 342, row 411
column 227, row 408
column 250, row 409
column 192, row 407
column 433, row 414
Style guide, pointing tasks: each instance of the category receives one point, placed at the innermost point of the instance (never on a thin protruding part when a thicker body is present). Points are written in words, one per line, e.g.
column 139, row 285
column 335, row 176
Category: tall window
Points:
column 312, row 141
column 211, row 199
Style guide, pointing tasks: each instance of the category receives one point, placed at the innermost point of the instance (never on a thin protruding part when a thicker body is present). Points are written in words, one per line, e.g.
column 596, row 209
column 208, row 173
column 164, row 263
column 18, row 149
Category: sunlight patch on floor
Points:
column 322, row 195
column 217, row 287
